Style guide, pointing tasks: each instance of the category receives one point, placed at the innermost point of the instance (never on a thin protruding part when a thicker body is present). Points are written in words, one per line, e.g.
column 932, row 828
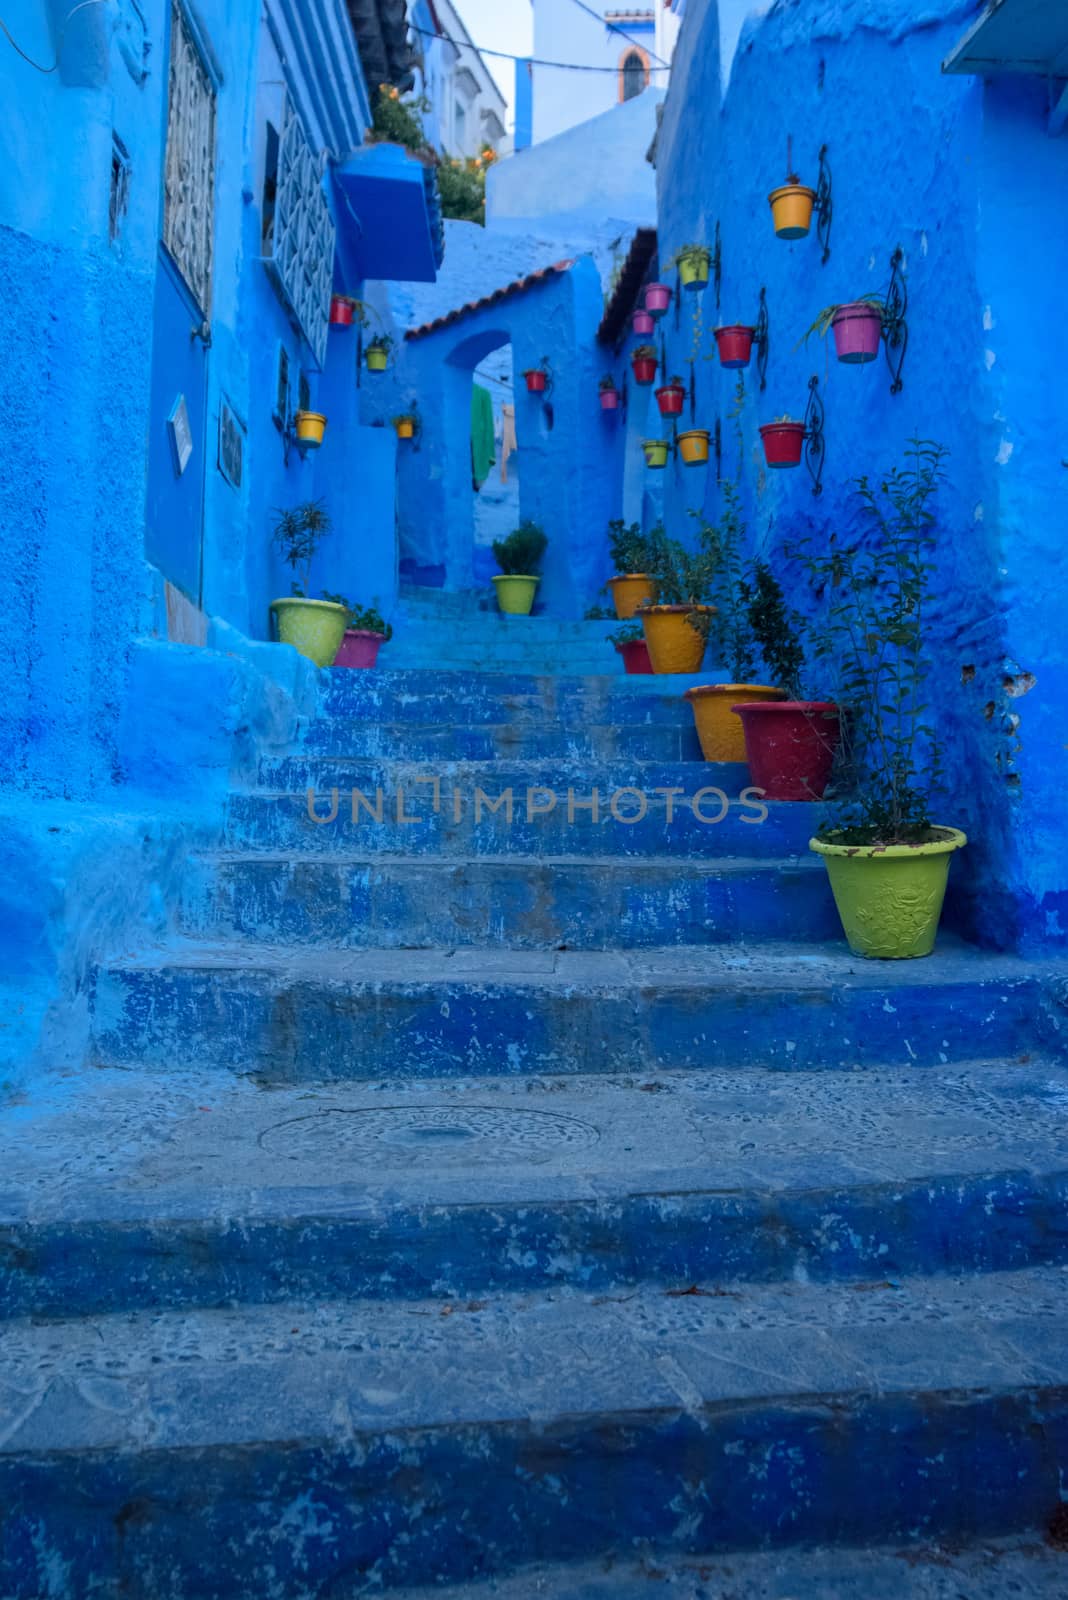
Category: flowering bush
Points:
column 463, row 186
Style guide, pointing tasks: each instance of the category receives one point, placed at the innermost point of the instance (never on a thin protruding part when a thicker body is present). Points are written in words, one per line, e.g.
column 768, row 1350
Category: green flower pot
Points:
column 314, row 627
column 515, row 594
column 890, row 897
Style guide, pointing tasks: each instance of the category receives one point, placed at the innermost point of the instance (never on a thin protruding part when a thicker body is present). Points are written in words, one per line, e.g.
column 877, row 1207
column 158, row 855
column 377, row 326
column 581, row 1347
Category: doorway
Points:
column 495, row 459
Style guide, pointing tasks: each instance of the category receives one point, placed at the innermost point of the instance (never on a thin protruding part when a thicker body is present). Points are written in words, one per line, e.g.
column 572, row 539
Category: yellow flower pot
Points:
column 314, row 627
column 890, row 897
column 311, row 425
column 791, row 210
column 515, row 593
column 656, row 452
column 674, row 646
column 694, row 269
column 405, row 428
column 719, row 728
column 629, row 591
column 693, row 446
column 377, row 360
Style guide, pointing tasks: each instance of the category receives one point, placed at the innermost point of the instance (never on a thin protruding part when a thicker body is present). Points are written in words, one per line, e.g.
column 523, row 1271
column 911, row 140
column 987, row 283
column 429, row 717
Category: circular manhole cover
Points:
column 431, row 1136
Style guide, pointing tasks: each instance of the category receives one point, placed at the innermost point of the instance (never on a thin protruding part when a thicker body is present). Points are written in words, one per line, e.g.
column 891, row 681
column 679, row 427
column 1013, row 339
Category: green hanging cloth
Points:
column 483, row 446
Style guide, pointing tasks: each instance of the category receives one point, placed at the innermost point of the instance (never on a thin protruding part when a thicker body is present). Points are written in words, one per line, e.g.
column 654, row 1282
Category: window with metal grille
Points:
column 119, row 198
column 189, row 171
column 301, row 254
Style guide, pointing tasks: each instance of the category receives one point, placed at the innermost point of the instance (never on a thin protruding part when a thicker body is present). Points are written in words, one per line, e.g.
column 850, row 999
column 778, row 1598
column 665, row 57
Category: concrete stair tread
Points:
column 630, row 865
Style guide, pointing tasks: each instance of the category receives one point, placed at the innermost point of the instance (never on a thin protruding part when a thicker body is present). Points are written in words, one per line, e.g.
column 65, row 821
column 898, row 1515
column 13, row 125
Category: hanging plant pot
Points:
column 515, row 593
column 537, row 380
column 674, row 646
column 790, row 746
column 644, row 364
column 405, row 427
column 791, row 210
column 311, row 425
column 735, row 345
column 889, row 897
column 342, row 311
column 656, row 452
column 858, row 332
column 629, row 591
column 635, row 655
column 783, row 443
column 377, row 358
column 693, row 446
column 610, row 399
column 657, row 299
column 671, row 399
column 314, row 627
column 695, row 263
column 718, row 729
column 643, row 324
column 359, row 648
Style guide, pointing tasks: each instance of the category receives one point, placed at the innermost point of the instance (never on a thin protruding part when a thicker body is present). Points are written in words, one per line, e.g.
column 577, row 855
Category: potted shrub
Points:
column 644, row 362
column 735, row 345
column 628, row 550
column 365, row 634
column 310, row 425
column 857, row 328
column 671, row 398
column 790, row 744
column 519, row 557
column 405, row 425
column 314, row 627
column 630, row 642
column 694, row 445
column 694, row 263
column 643, row 324
column 609, row 393
column 537, row 378
column 791, row 208
column 887, row 860
column 676, row 627
column 656, row 453
column 657, row 299
column 783, row 440
column 377, row 352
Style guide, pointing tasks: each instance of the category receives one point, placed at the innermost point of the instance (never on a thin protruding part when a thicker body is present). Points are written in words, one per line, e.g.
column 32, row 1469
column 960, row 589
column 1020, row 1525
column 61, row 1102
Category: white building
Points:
column 468, row 110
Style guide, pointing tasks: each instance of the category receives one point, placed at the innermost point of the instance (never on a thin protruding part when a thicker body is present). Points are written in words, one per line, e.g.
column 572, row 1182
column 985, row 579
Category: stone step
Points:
column 525, row 902
column 192, row 1188
column 444, row 741
column 299, row 1014
column 426, row 696
column 509, row 818
column 297, row 1450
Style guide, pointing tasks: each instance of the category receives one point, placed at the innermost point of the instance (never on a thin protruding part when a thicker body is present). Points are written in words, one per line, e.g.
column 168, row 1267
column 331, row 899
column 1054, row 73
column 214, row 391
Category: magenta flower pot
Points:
column 609, row 399
column 858, row 329
column 643, row 324
column 359, row 648
column 657, row 298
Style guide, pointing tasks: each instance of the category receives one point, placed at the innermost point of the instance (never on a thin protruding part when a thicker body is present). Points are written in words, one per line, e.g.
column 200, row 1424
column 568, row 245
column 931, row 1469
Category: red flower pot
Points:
column 359, row 648
column 657, row 298
column 858, row 331
column 342, row 312
column 635, row 656
column 609, row 399
column 643, row 324
column 783, row 443
column 670, row 399
column 536, row 382
column 644, row 371
column 735, row 345
column 790, row 746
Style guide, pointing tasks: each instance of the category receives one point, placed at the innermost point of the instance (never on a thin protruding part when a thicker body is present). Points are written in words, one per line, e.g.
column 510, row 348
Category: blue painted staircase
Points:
column 493, row 1190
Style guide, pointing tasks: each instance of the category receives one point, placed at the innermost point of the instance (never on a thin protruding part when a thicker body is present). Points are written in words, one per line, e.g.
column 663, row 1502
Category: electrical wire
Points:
column 36, row 65
column 528, row 61
column 613, row 27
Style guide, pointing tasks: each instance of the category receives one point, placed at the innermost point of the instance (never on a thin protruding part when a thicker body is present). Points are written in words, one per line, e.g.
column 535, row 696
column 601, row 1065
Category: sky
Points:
column 500, row 25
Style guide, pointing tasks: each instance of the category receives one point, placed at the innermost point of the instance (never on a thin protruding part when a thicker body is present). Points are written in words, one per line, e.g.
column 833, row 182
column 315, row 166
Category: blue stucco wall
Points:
column 961, row 185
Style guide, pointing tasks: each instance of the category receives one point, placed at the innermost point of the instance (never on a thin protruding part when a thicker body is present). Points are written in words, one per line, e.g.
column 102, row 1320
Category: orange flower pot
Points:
column 719, row 729
column 674, row 646
column 791, row 210
column 629, row 591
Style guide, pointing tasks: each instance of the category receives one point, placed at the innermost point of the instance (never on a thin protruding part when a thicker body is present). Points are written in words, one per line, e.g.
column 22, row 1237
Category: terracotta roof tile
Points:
column 519, row 285
column 625, row 295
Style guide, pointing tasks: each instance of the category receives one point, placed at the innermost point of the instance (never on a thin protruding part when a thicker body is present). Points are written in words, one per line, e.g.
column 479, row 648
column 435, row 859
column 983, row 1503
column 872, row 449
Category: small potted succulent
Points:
column 314, row 627
column 365, row 634
column 537, row 378
column 644, row 362
column 630, row 642
column 671, row 398
column 656, row 453
column 735, row 345
column 790, row 744
column 694, row 446
column 783, row 441
column 694, row 263
column 657, row 299
column 644, row 324
column 857, row 326
column 887, row 860
column 406, row 424
column 676, row 627
column 628, row 550
column 519, row 557
column 377, row 352
column 609, row 393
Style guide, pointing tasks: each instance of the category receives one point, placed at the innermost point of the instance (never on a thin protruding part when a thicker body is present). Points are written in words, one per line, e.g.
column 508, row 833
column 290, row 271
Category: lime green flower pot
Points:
column 890, row 897
column 314, row 627
column 515, row 594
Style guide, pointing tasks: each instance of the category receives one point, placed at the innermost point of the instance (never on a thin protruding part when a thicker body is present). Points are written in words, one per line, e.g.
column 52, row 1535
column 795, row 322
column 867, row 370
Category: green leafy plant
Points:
column 875, row 588
column 367, row 618
column 826, row 317
column 299, row 531
column 681, row 577
column 777, row 630
column 521, row 554
column 597, row 614
column 397, row 121
column 381, row 341
column 726, row 542
column 644, row 352
column 689, row 252
column 607, row 384
column 630, row 633
column 462, row 186
column 628, row 548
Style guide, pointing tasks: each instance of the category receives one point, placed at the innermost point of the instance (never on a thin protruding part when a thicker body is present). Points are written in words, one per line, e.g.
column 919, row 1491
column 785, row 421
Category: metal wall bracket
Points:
column 717, row 265
column 717, row 445
column 895, row 324
column 815, row 443
column 824, row 205
column 762, row 338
